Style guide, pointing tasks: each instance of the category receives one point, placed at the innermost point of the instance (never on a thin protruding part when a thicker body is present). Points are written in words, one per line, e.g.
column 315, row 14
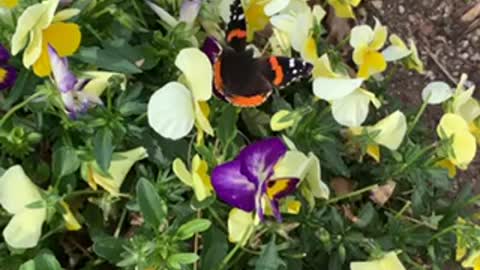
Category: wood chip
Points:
column 472, row 13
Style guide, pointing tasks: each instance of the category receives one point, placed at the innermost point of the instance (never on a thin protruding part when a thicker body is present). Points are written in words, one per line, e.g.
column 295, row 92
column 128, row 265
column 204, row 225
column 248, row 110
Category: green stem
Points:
column 82, row 193
column 19, row 106
column 404, row 208
column 120, row 222
column 352, row 194
column 232, row 252
column 417, row 117
column 217, row 218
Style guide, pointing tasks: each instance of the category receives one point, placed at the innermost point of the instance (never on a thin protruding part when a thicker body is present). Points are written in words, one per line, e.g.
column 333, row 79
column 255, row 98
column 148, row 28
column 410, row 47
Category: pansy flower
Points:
column 388, row 262
column 8, row 74
column 71, row 88
column 17, row 192
column 344, row 8
column 248, row 182
column 174, row 109
column 38, row 27
column 350, row 103
column 398, row 50
column 197, row 178
column 367, row 43
column 121, row 164
column 388, row 132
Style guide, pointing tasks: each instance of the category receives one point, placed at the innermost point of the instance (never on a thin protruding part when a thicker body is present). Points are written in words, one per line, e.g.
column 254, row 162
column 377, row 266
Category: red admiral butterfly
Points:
column 244, row 80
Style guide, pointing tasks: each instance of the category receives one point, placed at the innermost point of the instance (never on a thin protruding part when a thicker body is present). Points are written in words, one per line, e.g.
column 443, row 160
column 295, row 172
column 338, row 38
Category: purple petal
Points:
column 4, row 55
column 234, row 188
column 189, row 10
column 258, row 159
column 211, row 48
column 8, row 76
column 64, row 78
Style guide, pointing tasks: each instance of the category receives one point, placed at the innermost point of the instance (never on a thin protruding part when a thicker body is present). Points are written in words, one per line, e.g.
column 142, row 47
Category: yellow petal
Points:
column 17, row 190
column 473, row 260
column 373, row 150
column 99, row 81
column 309, row 51
column 293, row 207
column 293, row 164
column 314, row 179
column 323, row 68
column 464, row 147
column 447, row 164
column 64, row 37
column 66, row 14
column 342, row 9
column 197, row 69
column 8, row 3
column 181, row 171
column 71, row 223
column 359, row 54
column 201, row 183
column 389, row 262
column 277, row 123
column 25, row 228
column 119, row 168
column 255, row 17
column 201, row 117
column 41, row 67
column 25, row 24
column 34, row 48
column 373, row 63
column 240, row 225
column 450, row 124
column 414, row 62
column 392, row 130
column 380, row 34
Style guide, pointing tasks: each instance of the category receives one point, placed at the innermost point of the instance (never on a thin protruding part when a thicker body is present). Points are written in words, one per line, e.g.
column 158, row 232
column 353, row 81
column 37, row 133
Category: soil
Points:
column 447, row 34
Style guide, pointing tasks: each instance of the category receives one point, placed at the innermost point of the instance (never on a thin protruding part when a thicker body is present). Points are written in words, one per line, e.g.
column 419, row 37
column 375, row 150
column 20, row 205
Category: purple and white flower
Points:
column 71, row 88
column 248, row 182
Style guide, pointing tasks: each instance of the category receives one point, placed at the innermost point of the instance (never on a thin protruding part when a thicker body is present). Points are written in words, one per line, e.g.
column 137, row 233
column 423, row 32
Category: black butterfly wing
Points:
column 282, row 71
column 236, row 34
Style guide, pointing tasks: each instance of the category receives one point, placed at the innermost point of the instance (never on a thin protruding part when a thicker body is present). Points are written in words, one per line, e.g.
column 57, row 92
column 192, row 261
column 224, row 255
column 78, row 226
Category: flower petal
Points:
column 392, row 130
column 17, row 190
column 181, row 171
column 66, row 14
column 64, row 78
column 292, row 164
column 8, row 3
column 189, row 10
column 314, row 178
column 394, row 53
column 162, row 14
column 99, row 81
column 277, row 123
column 25, row 228
column 351, row 110
column 171, row 111
column 333, row 89
column 436, row 92
column 373, row 63
column 197, row 69
column 361, row 35
column 233, row 187
column 4, row 55
column 389, row 262
column 34, row 48
column 380, row 34
column 8, row 76
column 258, row 159
column 451, row 124
column 275, row 6
column 240, row 225
column 201, row 117
column 26, row 22
column 64, row 37
column 211, row 48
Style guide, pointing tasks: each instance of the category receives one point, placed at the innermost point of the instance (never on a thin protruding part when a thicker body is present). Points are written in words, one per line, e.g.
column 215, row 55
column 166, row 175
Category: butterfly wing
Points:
column 236, row 35
column 282, row 71
column 239, row 80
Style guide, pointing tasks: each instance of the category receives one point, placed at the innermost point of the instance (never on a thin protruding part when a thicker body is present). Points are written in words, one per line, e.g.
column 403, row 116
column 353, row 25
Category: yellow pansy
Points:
column 197, row 178
column 473, row 260
column 297, row 23
column 241, row 225
column 366, row 43
column 120, row 165
column 389, row 132
column 344, row 8
column 463, row 146
column 17, row 191
column 388, row 262
column 350, row 103
column 8, row 3
column 174, row 109
column 398, row 50
column 99, row 81
column 37, row 27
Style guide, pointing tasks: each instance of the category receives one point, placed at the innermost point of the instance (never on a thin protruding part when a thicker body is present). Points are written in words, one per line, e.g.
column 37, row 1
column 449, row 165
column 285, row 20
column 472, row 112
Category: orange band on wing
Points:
column 237, row 33
column 278, row 71
column 217, row 68
column 252, row 101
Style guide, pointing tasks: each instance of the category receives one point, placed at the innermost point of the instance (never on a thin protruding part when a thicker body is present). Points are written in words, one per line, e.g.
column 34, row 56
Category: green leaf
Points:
column 43, row 261
column 103, row 148
column 65, row 161
column 215, row 248
column 227, row 125
column 192, row 227
column 269, row 259
column 366, row 216
column 109, row 248
column 107, row 60
column 152, row 206
column 176, row 260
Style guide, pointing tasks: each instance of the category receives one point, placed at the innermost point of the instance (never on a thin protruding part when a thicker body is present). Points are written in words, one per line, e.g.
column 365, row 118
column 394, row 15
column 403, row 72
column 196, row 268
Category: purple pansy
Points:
column 8, row 74
column 212, row 48
column 246, row 182
column 70, row 87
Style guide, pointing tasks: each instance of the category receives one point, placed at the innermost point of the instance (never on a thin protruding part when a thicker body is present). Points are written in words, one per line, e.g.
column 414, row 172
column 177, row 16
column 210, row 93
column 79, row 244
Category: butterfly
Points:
column 247, row 81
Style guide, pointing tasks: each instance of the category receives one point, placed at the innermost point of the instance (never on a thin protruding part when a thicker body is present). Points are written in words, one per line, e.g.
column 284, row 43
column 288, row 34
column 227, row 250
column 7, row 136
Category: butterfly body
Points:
column 245, row 80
